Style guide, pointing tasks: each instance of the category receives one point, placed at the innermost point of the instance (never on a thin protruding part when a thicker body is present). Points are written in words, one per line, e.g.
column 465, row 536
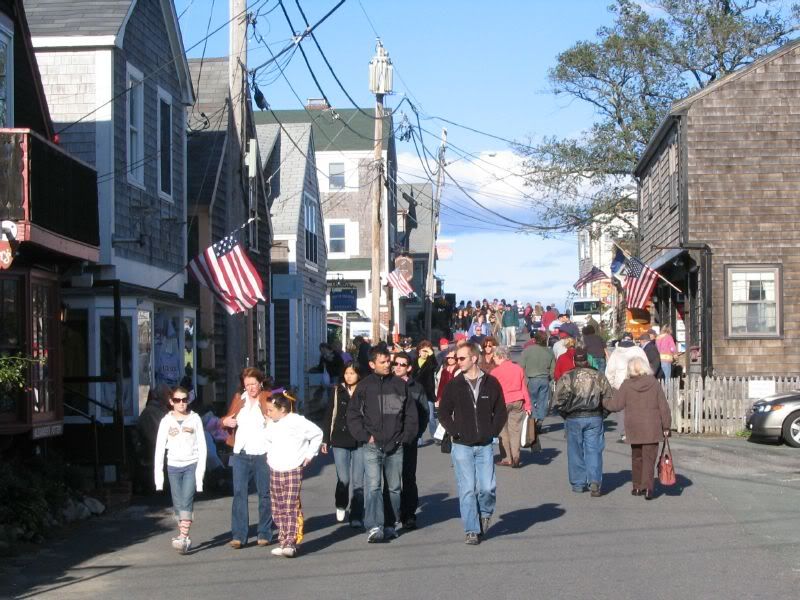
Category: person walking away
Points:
column 488, row 346
column 595, row 347
column 539, row 363
column 292, row 442
column 580, row 395
column 424, row 373
column 473, row 412
column 347, row 456
column 510, row 324
column 565, row 362
column 647, row 422
column 381, row 418
column 561, row 345
column 246, row 421
column 409, row 494
column 617, row 371
column 181, row 435
column 667, row 350
column 653, row 356
column 518, row 406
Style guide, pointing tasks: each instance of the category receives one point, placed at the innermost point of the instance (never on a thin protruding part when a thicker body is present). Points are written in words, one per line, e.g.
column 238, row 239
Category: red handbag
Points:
column 666, row 468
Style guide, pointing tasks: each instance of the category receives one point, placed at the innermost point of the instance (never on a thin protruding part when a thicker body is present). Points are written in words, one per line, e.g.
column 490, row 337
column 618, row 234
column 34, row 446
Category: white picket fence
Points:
column 716, row 405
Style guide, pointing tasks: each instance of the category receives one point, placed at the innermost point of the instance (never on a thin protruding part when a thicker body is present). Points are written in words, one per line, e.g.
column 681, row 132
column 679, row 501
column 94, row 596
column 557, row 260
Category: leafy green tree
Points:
column 631, row 73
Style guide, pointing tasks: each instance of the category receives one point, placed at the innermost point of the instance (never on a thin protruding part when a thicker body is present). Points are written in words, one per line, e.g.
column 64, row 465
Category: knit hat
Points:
column 444, row 341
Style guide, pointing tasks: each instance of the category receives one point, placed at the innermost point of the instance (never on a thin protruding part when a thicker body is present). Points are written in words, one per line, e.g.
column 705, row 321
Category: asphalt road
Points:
column 727, row 530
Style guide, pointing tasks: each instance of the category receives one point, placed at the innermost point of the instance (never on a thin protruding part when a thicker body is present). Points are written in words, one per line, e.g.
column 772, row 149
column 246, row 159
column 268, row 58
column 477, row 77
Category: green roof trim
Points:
column 330, row 134
column 349, row 264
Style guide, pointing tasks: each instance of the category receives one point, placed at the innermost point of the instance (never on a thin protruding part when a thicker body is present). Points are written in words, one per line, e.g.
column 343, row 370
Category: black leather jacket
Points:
column 380, row 408
column 580, row 393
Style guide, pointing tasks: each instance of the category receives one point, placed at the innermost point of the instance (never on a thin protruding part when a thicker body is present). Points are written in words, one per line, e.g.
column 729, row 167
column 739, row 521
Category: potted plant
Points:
column 203, row 340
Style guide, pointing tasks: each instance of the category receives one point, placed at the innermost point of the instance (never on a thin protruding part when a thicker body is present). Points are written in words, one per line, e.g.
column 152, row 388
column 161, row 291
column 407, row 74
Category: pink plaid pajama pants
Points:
column 284, row 489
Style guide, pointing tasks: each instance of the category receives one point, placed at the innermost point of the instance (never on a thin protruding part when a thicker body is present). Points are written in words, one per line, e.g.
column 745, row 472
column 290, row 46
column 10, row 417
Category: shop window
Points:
column 42, row 350
column 108, row 364
column 11, row 342
column 75, row 347
column 168, row 354
column 144, row 336
column 6, row 78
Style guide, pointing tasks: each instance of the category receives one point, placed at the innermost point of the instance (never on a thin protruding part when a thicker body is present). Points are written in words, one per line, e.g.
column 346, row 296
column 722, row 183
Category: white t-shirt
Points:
column 250, row 430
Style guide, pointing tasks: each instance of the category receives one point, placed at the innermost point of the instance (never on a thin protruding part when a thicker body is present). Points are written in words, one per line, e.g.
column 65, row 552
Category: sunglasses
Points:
column 397, row 364
column 451, row 358
column 460, row 358
column 180, row 400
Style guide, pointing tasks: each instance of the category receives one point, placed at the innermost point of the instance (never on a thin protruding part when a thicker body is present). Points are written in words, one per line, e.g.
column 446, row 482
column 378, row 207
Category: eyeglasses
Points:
column 451, row 358
column 180, row 400
column 397, row 364
column 460, row 358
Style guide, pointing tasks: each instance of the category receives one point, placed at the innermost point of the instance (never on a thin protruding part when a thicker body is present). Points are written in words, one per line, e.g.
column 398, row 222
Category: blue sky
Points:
column 483, row 65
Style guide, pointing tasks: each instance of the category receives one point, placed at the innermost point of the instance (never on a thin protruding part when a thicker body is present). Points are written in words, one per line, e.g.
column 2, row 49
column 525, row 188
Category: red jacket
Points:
column 514, row 383
column 445, row 378
column 564, row 363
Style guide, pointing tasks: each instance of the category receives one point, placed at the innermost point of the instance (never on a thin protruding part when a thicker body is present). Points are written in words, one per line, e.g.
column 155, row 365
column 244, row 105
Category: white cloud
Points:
column 504, row 265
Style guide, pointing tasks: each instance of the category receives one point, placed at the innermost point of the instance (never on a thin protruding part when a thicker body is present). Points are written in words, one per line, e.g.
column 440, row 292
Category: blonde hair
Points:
column 666, row 329
column 569, row 343
column 638, row 366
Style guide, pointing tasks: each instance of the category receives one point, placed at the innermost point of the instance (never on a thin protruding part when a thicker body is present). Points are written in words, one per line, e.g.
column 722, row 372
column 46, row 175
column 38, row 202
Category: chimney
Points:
column 317, row 104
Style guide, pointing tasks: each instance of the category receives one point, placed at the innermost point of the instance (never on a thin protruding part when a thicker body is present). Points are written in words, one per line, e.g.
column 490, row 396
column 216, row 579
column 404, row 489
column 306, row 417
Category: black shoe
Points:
column 472, row 539
column 648, row 495
column 410, row 523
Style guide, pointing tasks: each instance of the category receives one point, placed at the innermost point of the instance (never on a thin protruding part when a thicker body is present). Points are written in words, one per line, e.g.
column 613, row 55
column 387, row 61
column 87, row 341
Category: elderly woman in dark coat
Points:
column 647, row 422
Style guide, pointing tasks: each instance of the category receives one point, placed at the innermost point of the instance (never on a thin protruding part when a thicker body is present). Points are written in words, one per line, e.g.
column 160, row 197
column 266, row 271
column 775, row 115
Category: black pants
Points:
column 409, row 494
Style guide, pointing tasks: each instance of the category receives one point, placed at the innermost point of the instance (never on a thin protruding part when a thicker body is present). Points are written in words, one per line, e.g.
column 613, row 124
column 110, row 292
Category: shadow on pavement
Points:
column 341, row 532
column 613, row 481
column 542, row 457
column 677, row 489
column 519, row 521
column 437, row 508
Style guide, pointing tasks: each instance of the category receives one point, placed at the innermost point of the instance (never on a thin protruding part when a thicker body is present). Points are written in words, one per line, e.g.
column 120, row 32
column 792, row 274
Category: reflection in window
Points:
column 41, row 348
column 10, row 339
column 336, row 176
column 753, row 302
column 145, row 343
column 108, row 364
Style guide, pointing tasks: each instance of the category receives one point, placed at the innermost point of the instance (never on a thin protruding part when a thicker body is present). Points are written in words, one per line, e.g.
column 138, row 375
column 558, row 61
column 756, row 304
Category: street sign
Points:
column 344, row 299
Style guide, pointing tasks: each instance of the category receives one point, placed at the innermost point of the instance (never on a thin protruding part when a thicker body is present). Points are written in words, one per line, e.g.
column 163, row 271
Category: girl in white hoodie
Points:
column 181, row 435
column 292, row 441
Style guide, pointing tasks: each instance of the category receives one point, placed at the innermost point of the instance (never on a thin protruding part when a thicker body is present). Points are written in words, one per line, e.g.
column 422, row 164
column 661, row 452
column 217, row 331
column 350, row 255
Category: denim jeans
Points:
column 539, row 390
column 585, row 444
column 477, row 485
column 182, row 486
column 245, row 468
column 377, row 465
column 431, row 418
column 667, row 368
column 350, row 470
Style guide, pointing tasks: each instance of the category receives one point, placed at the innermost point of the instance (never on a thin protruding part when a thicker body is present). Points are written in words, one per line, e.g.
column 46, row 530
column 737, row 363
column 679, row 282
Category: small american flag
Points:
column 594, row 275
column 639, row 283
column 225, row 269
column 398, row 282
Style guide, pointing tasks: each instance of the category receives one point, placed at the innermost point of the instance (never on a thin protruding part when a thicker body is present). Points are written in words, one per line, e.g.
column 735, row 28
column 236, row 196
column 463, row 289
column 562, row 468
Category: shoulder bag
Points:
column 666, row 468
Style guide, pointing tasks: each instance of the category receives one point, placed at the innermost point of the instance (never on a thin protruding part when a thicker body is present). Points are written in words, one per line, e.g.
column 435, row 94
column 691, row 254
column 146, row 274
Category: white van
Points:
column 585, row 308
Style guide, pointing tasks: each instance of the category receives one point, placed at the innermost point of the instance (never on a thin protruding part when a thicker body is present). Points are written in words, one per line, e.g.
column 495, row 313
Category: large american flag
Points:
column 225, row 269
column 398, row 282
column 639, row 283
column 594, row 275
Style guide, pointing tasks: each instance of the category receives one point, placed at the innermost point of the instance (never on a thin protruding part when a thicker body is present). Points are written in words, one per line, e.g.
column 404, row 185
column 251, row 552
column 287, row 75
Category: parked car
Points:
column 777, row 417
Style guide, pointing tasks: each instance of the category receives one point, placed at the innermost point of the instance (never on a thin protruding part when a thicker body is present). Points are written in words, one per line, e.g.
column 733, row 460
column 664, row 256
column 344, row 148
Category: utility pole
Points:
column 430, row 284
column 380, row 83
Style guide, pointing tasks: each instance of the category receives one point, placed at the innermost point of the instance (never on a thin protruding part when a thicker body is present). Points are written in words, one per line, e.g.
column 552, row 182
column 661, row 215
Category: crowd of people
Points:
column 467, row 393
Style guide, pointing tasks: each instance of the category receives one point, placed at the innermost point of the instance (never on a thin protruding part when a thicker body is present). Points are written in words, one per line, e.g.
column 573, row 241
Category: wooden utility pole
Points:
column 430, row 284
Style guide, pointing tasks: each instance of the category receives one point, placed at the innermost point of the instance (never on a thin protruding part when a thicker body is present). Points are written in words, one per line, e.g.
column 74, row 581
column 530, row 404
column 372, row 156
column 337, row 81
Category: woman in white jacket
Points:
column 181, row 436
column 617, row 370
column 292, row 441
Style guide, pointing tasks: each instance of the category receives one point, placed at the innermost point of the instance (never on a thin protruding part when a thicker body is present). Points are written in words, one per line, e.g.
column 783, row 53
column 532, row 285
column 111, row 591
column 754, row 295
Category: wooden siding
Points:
column 659, row 222
column 743, row 188
column 282, row 342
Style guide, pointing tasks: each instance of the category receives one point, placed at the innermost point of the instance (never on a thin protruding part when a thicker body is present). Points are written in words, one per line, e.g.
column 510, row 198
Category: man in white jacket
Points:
column 617, row 370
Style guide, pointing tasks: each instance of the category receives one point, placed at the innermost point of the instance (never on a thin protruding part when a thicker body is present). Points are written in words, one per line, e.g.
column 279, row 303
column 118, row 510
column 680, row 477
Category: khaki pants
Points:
column 512, row 430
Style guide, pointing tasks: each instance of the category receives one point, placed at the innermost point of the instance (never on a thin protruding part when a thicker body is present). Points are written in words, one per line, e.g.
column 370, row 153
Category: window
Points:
column 673, row 175
column 336, row 176
column 11, row 341
column 311, row 228
column 753, row 301
column 336, row 241
column 164, row 144
column 42, row 349
column 6, row 77
column 135, row 126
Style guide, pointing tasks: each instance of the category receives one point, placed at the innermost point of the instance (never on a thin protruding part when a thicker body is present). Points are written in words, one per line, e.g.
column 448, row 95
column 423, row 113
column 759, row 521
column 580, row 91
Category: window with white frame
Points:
column 164, row 144
column 753, row 296
column 336, row 176
column 310, row 209
column 336, row 239
column 135, row 122
column 6, row 76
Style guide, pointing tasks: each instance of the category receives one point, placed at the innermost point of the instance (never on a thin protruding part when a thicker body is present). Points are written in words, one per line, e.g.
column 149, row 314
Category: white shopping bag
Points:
column 439, row 433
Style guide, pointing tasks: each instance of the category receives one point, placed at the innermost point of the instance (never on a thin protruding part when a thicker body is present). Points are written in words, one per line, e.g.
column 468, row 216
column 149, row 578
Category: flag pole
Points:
column 660, row 276
column 186, row 266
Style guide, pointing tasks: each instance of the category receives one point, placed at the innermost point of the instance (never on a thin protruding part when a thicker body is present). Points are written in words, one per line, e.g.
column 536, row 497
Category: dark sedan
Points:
column 777, row 417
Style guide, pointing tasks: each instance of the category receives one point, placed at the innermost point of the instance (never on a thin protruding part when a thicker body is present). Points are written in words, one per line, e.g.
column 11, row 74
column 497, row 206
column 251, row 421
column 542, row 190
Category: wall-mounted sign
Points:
column 344, row 299
column 45, row 431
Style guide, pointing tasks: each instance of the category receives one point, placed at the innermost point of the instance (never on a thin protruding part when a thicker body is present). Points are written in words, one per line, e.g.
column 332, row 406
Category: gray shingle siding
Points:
column 77, row 17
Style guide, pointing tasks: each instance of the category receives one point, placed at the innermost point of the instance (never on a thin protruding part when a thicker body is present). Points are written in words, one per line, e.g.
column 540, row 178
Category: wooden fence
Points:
column 718, row 405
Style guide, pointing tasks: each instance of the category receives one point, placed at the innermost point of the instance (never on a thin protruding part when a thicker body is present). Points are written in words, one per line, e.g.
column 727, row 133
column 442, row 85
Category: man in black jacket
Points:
column 653, row 356
column 473, row 412
column 381, row 418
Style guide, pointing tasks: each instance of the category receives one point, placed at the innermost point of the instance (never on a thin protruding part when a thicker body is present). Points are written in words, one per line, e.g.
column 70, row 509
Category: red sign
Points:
column 6, row 255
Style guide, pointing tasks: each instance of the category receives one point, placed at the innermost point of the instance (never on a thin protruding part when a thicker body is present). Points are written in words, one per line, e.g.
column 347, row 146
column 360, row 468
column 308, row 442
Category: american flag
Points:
column 398, row 282
column 225, row 269
column 639, row 283
column 594, row 275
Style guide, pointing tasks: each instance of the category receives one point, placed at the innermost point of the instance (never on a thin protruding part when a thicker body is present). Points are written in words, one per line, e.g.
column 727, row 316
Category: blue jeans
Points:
column 182, row 486
column 431, row 418
column 585, row 444
column 377, row 465
column 350, row 469
column 667, row 368
column 477, row 485
column 245, row 468
column 539, row 390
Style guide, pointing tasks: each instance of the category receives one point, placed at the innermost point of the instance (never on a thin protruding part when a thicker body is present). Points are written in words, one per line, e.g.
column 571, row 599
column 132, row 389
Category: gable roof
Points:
column 330, row 135
column 88, row 23
column 286, row 206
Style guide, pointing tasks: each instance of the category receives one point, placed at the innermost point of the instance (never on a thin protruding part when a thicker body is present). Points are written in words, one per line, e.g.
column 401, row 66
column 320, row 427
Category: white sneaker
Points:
column 276, row 551
column 177, row 544
column 290, row 551
column 340, row 514
column 375, row 535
